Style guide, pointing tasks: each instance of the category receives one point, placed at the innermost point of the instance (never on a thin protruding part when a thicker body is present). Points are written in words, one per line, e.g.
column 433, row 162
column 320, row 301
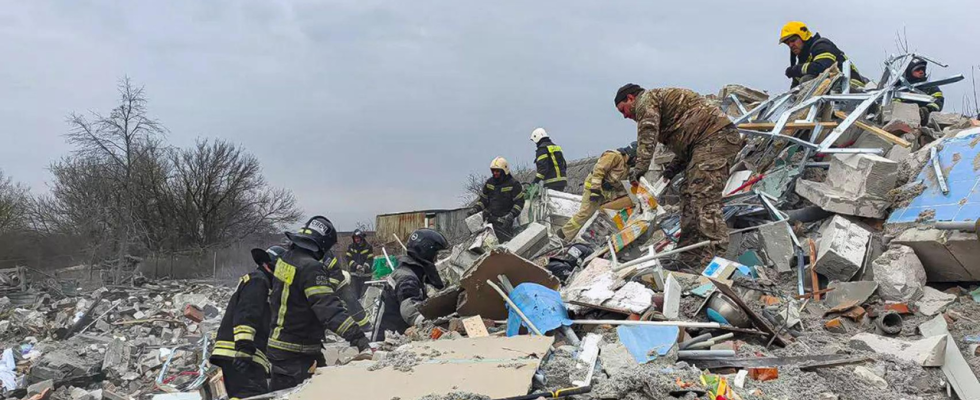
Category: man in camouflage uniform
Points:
column 704, row 142
column 602, row 185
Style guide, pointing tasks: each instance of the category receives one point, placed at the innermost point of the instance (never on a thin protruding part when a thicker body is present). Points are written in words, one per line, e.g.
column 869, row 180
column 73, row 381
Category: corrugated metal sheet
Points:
column 401, row 225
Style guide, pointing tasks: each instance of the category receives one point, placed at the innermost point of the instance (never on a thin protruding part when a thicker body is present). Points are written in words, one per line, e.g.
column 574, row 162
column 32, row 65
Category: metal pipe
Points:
column 938, row 82
column 646, row 258
column 711, row 342
column 699, row 354
column 694, row 340
column 684, row 324
column 965, row 226
column 520, row 313
column 940, row 177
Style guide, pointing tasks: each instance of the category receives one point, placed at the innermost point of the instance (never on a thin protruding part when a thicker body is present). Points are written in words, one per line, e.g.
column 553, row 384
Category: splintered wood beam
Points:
column 874, row 130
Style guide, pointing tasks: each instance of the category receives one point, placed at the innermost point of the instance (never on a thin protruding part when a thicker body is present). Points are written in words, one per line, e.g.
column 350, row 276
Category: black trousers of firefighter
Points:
column 241, row 384
column 292, row 370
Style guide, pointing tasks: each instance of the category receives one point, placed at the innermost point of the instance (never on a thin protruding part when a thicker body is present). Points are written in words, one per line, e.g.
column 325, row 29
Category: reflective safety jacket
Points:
column 246, row 319
column 500, row 198
column 360, row 254
column 403, row 284
column 339, row 281
column 550, row 163
column 304, row 304
column 817, row 55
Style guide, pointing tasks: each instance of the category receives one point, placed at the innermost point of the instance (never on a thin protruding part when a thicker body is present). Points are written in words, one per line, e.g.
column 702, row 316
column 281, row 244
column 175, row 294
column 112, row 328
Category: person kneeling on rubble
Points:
column 810, row 55
column 304, row 304
column 501, row 200
column 916, row 73
column 404, row 289
column 244, row 331
column 704, row 142
column 602, row 185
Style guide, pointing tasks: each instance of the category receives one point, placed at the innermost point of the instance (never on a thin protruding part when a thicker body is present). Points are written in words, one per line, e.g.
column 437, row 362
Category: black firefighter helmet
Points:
column 318, row 235
column 424, row 245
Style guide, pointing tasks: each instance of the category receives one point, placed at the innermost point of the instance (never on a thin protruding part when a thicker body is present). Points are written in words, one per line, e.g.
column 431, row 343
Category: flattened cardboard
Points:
column 481, row 299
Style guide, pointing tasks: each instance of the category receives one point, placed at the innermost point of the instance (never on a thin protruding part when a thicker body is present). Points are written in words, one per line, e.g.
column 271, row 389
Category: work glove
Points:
column 595, row 195
column 362, row 343
column 789, row 71
column 242, row 364
column 507, row 220
column 472, row 211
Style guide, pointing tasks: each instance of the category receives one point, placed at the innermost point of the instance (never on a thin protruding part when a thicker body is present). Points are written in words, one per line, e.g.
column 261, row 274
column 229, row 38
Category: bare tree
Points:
column 117, row 143
column 222, row 196
column 14, row 205
column 364, row 226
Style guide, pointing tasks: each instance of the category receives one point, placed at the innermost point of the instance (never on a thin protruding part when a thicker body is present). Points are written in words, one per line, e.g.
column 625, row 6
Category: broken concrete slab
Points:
column 856, row 184
column 778, row 245
column 958, row 372
column 869, row 376
column 848, row 294
column 529, row 241
column 900, row 117
column 672, row 298
column 481, row 299
column 933, row 247
column 40, row 387
column 899, row 274
column 497, row 367
column 841, row 249
column 928, row 352
column 933, row 301
column 117, row 357
column 475, row 222
column 946, row 119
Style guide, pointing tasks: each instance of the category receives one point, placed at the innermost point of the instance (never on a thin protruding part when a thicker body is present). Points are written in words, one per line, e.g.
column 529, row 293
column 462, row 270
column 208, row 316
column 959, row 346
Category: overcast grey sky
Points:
column 365, row 107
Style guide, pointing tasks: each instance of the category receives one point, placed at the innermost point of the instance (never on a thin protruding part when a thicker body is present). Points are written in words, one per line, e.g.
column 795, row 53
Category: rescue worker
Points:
column 341, row 282
column 501, row 200
column 602, row 185
column 360, row 262
column 704, row 142
column 563, row 264
column 404, row 289
column 810, row 55
column 549, row 161
column 304, row 305
column 916, row 73
column 239, row 348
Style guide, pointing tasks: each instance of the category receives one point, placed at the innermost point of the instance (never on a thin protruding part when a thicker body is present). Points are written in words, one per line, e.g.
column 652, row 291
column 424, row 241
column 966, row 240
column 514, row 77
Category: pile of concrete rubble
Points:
column 850, row 273
column 111, row 343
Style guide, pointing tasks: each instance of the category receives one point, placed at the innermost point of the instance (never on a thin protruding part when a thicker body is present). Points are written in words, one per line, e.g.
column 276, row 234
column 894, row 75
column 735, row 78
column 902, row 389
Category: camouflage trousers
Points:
column 704, row 179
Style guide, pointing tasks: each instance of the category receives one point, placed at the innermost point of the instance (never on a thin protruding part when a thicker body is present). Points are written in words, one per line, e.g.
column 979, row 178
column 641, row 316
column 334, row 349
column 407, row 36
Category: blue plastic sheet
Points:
column 540, row 304
column 958, row 159
column 646, row 343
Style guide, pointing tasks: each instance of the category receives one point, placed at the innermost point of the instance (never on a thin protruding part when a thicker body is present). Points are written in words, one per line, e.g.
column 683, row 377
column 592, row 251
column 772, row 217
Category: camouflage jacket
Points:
column 678, row 118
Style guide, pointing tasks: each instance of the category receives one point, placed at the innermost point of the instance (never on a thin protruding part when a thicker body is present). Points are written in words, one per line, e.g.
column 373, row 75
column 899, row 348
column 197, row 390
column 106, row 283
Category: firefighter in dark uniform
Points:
column 916, row 73
column 501, row 201
column 810, row 55
column 239, row 348
column 549, row 161
column 304, row 304
column 404, row 289
column 342, row 283
column 360, row 262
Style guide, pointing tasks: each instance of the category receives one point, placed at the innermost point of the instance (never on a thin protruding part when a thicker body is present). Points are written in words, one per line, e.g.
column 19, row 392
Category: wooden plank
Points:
column 474, row 327
column 874, row 130
column 767, row 126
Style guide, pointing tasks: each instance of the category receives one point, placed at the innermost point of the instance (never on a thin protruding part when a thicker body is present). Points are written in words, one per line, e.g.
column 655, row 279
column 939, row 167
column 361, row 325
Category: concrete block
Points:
column 40, row 387
column 529, row 241
column 900, row 274
column 841, row 250
column 933, row 301
column 898, row 153
column 778, row 245
column 475, row 222
column 901, row 117
column 947, row 256
column 856, row 184
column 862, row 174
column 947, row 119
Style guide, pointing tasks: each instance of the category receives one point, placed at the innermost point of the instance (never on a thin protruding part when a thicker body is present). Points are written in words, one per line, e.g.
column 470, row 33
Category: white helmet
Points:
column 538, row 134
column 501, row 164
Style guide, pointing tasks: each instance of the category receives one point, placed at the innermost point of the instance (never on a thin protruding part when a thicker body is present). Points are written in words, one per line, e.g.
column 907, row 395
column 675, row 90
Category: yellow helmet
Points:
column 794, row 28
column 501, row 164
